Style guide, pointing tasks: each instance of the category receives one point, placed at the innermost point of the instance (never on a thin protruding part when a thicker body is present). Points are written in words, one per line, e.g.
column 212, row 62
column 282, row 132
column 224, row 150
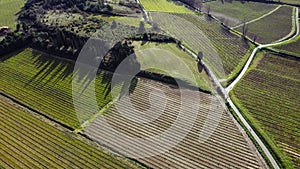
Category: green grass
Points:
column 295, row 2
column 236, row 12
column 268, row 97
column 44, row 83
column 164, row 6
column 9, row 10
column 172, row 65
column 29, row 141
column 273, row 27
column 223, row 50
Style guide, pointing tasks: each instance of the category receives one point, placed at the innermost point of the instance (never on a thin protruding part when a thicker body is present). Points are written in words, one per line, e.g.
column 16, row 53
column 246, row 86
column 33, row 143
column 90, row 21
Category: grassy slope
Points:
column 45, row 84
column 28, row 141
column 163, row 6
column 273, row 27
column 200, row 33
column 201, row 79
column 268, row 96
column 234, row 13
column 9, row 9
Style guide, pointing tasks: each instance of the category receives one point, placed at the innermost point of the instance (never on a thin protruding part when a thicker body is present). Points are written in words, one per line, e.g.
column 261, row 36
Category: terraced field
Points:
column 44, row 83
column 164, row 6
column 9, row 10
column 224, row 51
column 29, row 142
column 235, row 12
column 269, row 29
column 228, row 147
column 165, row 61
column 269, row 98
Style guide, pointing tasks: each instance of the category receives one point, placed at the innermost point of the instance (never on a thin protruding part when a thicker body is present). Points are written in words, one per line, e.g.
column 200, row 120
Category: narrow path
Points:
column 225, row 92
column 146, row 15
column 245, row 68
column 254, row 20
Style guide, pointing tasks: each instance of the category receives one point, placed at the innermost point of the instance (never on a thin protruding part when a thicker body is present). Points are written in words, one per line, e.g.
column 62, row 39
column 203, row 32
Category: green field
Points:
column 28, row 141
column 44, row 83
column 273, row 27
column 292, row 47
column 295, row 2
column 236, row 12
column 164, row 6
column 269, row 98
column 201, row 79
column 224, row 51
column 9, row 10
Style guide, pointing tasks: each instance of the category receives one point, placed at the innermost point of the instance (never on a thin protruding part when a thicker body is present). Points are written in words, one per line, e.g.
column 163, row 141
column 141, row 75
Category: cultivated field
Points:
column 269, row 97
column 219, row 46
column 27, row 141
column 295, row 2
column 292, row 47
column 164, row 6
column 228, row 147
column 44, row 83
column 166, row 51
column 235, row 12
column 9, row 10
column 273, row 27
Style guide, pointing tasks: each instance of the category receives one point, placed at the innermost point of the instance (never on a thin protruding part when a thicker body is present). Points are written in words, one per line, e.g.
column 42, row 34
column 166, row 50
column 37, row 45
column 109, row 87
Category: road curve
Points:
column 247, row 65
column 225, row 92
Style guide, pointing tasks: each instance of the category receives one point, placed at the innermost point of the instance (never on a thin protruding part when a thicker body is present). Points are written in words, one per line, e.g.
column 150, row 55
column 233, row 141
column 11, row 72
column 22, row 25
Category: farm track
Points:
column 277, row 90
column 241, row 75
column 227, row 142
column 254, row 20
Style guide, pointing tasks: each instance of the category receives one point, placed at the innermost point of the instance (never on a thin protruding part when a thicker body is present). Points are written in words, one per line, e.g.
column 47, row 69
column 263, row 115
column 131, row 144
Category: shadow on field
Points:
column 8, row 56
column 54, row 70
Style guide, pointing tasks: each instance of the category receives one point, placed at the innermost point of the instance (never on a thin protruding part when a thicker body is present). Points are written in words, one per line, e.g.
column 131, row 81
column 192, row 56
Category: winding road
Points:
column 225, row 91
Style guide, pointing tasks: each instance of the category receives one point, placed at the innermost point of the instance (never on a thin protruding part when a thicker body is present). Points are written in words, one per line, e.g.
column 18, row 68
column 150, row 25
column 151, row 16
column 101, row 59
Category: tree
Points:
column 200, row 56
column 245, row 28
column 114, row 25
column 142, row 27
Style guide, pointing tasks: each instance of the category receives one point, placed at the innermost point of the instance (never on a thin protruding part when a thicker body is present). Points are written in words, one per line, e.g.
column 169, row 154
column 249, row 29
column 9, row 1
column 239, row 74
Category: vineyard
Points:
column 221, row 49
column 227, row 147
column 44, row 83
column 166, row 52
column 293, row 47
column 235, row 13
column 29, row 142
column 164, row 6
column 260, row 30
column 269, row 97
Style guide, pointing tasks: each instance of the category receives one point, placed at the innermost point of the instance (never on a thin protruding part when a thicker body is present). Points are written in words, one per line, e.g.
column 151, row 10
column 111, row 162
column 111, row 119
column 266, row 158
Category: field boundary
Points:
column 254, row 20
column 35, row 111
column 95, row 116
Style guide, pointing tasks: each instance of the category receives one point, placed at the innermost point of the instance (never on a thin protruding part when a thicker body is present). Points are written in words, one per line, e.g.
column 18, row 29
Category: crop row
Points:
column 226, row 147
column 268, row 29
column 45, row 84
column 200, row 33
column 28, row 142
column 270, row 94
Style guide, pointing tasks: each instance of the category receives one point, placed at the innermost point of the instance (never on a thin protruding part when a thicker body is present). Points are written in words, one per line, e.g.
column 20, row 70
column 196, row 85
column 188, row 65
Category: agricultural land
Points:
column 150, row 84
